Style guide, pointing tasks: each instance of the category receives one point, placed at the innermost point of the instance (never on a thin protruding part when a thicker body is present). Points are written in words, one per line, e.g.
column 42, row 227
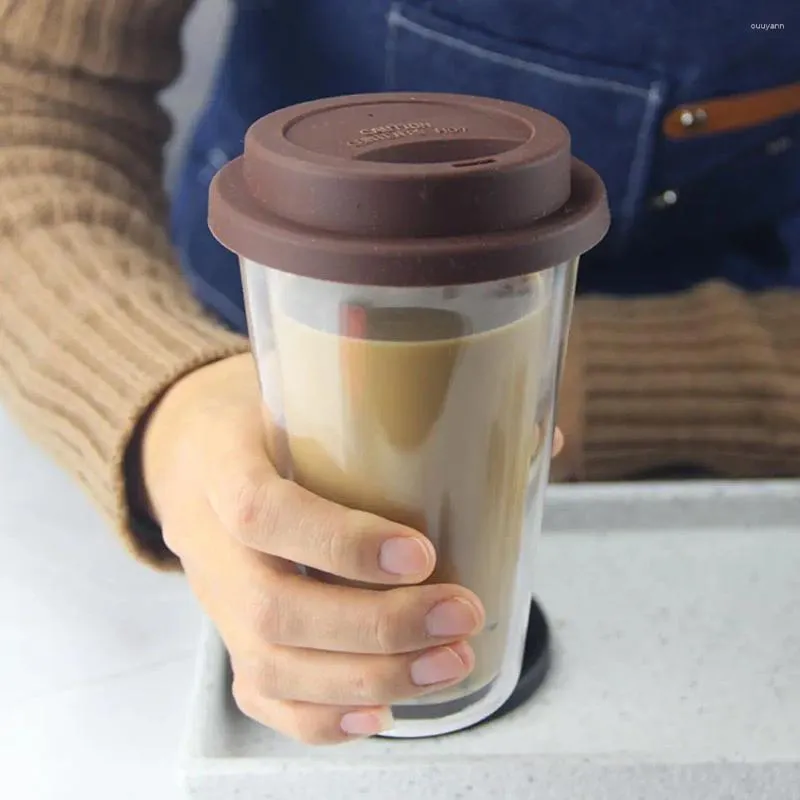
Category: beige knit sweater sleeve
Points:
column 96, row 321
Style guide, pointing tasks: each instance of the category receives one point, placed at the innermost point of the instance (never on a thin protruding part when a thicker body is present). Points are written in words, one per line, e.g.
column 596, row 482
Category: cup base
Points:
column 535, row 667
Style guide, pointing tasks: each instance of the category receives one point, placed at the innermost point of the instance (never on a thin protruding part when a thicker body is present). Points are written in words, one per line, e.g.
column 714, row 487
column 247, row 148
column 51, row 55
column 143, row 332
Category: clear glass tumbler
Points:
column 433, row 407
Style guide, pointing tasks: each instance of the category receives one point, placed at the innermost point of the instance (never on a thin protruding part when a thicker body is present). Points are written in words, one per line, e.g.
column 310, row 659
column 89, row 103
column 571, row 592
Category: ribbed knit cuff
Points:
column 130, row 512
column 180, row 345
column 80, row 382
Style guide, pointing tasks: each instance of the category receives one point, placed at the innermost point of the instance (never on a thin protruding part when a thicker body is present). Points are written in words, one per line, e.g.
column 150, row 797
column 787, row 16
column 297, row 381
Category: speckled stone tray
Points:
column 675, row 610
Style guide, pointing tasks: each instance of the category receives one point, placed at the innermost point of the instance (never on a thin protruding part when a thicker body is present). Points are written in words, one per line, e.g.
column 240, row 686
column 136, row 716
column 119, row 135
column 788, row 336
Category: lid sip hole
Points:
column 477, row 163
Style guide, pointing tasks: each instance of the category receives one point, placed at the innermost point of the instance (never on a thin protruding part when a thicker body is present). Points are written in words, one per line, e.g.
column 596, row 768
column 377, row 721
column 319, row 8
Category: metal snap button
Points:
column 666, row 199
column 778, row 146
column 693, row 117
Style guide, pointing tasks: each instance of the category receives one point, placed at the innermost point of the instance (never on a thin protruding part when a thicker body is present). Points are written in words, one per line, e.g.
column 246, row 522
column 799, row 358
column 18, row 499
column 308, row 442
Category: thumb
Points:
column 266, row 512
column 277, row 516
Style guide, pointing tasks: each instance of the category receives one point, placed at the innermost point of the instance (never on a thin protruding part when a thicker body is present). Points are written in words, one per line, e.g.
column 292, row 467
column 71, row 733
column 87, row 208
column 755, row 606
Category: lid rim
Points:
column 402, row 262
column 423, row 195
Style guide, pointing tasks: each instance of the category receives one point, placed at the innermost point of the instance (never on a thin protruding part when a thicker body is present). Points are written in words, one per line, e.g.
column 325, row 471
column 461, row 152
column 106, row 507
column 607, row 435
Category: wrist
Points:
column 181, row 418
column 139, row 458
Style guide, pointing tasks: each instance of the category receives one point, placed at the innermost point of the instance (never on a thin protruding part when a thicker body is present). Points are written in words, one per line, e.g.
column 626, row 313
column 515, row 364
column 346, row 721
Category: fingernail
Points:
column 455, row 617
column 404, row 556
column 438, row 666
column 365, row 723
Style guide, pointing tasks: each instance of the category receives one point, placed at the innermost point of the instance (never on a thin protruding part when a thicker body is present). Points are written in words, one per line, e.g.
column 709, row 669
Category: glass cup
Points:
column 409, row 365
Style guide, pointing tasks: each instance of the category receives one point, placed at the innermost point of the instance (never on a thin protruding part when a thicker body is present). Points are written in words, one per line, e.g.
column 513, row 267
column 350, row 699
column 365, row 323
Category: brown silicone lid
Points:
column 408, row 190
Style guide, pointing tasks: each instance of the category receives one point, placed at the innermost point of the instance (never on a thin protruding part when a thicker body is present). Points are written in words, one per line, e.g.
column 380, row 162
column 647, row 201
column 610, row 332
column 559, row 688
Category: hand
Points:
column 318, row 662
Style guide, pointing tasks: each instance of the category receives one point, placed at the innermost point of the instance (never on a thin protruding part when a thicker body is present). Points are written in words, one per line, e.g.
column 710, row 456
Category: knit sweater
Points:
column 96, row 320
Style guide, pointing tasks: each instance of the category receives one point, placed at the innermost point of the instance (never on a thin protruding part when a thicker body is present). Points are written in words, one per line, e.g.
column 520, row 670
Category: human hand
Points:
column 321, row 663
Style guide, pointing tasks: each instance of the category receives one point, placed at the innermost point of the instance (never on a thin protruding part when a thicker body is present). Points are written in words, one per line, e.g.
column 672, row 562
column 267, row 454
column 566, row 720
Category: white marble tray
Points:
column 676, row 615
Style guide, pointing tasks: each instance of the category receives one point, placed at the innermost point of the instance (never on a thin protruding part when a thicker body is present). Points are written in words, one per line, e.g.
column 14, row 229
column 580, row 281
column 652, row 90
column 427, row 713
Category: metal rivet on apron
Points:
column 693, row 117
column 778, row 146
column 666, row 199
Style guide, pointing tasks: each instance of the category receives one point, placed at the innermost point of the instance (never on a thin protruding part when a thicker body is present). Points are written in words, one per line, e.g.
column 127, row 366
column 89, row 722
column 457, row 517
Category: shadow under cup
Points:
column 413, row 374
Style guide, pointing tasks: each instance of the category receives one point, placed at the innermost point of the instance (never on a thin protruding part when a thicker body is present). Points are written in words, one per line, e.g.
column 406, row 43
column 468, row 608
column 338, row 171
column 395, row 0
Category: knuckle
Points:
column 267, row 616
column 256, row 680
column 339, row 550
column 391, row 628
column 267, row 678
column 259, row 508
column 388, row 689
column 249, row 505
column 379, row 684
column 279, row 495
column 320, row 525
column 312, row 727
column 355, row 541
column 361, row 687
column 318, row 522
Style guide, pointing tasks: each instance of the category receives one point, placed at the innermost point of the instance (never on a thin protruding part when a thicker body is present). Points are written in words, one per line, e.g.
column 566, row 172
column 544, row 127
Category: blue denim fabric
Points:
column 610, row 71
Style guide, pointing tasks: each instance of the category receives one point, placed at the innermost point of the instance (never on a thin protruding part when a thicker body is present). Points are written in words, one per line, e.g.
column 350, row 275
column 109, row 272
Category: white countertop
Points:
column 96, row 651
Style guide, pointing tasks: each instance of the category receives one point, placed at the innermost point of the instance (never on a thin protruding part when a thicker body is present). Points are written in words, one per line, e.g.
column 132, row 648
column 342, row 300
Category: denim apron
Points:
column 724, row 205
